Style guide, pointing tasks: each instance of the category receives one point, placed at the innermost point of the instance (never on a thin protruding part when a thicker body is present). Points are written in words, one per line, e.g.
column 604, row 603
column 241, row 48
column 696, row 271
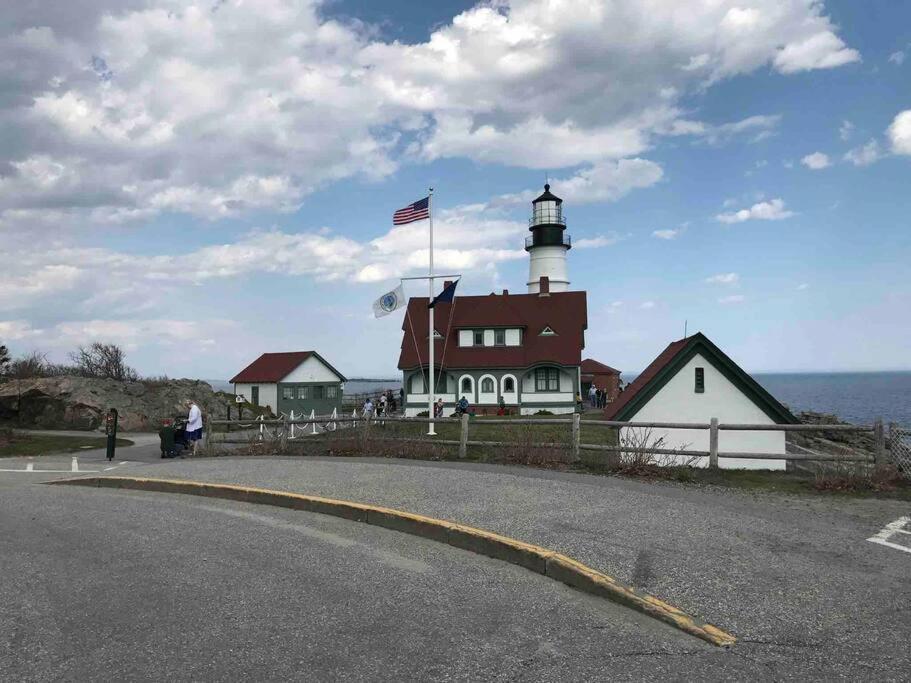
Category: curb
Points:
column 535, row 558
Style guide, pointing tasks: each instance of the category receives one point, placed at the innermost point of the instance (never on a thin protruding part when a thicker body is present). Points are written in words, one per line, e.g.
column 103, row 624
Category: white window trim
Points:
column 469, row 395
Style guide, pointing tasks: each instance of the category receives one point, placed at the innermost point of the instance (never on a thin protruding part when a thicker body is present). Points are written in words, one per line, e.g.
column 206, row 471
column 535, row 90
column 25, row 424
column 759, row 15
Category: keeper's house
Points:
column 692, row 380
column 300, row 381
column 525, row 348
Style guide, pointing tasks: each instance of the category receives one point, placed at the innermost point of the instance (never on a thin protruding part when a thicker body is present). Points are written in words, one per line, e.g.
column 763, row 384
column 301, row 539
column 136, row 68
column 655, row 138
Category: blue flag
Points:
column 446, row 295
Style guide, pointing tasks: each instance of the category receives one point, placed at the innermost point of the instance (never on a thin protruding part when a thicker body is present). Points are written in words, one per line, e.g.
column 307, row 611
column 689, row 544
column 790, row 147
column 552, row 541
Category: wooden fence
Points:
column 280, row 429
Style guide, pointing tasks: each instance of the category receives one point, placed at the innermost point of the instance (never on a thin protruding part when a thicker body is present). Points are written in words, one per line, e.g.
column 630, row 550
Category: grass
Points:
column 18, row 444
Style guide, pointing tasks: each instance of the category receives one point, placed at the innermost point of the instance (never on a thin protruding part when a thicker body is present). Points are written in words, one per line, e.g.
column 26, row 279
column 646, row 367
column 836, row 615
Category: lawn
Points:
column 18, row 444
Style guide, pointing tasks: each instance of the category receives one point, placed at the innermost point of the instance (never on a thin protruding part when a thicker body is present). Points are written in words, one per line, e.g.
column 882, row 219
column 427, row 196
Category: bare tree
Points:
column 103, row 360
column 34, row 364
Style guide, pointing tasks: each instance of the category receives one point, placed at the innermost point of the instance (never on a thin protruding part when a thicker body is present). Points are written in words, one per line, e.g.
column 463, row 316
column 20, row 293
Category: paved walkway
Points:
column 792, row 576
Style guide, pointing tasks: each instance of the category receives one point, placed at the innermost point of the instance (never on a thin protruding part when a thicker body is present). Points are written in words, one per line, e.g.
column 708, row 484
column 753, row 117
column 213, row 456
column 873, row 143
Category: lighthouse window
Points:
column 547, row 379
column 700, row 380
column 500, row 337
column 479, row 337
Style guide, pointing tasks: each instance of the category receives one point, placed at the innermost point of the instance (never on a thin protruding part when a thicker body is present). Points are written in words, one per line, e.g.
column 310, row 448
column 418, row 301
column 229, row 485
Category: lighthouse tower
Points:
column 548, row 244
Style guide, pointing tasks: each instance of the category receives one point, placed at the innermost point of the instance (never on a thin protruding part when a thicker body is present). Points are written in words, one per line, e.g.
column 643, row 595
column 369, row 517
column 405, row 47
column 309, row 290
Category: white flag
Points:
column 390, row 301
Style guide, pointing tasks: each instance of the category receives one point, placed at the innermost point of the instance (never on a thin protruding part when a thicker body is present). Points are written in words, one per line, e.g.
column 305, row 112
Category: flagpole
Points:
column 430, row 396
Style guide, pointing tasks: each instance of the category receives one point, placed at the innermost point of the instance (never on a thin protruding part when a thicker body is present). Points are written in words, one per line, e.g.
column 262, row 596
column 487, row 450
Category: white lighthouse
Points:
column 547, row 245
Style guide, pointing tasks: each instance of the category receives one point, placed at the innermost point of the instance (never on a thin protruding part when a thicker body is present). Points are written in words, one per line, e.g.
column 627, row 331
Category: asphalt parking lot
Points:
column 793, row 577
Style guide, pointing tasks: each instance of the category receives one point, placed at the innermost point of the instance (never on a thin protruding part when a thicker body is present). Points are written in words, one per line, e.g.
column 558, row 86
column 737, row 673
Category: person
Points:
column 167, row 438
column 462, row 406
column 368, row 408
column 382, row 404
column 592, row 394
column 501, row 406
column 598, row 395
column 579, row 402
column 390, row 399
column 402, row 397
column 194, row 424
column 438, row 408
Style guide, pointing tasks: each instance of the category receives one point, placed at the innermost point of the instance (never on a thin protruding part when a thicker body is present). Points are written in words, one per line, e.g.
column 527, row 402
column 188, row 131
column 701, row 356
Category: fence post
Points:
column 713, row 444
column 879, row 442
column 284, row 437
column 463, row 437
column 577, row 420
column 366, row 431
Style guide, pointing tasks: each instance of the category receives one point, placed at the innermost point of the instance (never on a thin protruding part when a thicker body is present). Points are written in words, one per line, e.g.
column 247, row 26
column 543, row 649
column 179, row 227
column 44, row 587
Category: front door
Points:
column 254, row 395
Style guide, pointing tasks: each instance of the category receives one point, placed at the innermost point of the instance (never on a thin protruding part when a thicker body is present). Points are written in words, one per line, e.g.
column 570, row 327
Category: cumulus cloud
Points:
column 772, row 210
column 865, row 155
column 724, row 279
column 900, row 133
column 133, row 108
column 816, row 161
column 897, row 58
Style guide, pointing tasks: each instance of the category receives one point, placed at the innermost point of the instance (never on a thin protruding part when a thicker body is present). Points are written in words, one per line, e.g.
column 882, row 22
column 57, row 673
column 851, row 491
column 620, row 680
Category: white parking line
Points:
column 892, row 529
column 75, row 466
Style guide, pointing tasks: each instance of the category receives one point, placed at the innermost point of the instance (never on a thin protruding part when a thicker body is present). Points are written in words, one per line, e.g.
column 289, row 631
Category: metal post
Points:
column 430, row 398
column 713, row 444
column 879, row 441
column 577, row 420
column 463, row 437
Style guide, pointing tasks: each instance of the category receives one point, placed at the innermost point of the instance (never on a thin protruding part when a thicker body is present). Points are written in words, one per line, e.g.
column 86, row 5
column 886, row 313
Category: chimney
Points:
column 446, row 283
column 544, row 286
column 505, row 292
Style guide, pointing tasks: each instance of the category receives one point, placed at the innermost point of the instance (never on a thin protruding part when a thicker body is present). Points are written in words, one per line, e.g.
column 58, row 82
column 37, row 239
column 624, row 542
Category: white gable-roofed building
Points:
column 692, row 380
column 298, row 380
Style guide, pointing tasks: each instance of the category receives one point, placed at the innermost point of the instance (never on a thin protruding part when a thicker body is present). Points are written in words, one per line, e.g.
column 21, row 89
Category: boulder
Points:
column 70, row 402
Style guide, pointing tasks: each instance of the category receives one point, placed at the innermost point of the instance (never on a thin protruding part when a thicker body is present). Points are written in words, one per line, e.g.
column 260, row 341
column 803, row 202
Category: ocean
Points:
column 858, row 397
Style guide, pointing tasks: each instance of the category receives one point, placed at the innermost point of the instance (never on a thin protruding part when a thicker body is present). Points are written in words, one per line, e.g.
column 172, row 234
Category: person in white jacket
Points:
column 194, row 424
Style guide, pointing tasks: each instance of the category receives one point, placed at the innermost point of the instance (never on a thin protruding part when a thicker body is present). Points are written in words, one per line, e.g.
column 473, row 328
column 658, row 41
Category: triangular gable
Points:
column 672, row 360
column 548, row 331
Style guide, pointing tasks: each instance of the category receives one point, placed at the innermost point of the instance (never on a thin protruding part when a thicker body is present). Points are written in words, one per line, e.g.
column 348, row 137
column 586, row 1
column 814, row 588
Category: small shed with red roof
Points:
column 296, row 380
column 601, row 376
column 693, row 381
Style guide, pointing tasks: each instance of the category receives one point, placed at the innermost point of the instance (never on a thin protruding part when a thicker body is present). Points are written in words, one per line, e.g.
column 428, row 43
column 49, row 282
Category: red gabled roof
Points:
column 593, row 367
column 646, row 376
column 564, row 312
column 271, row 367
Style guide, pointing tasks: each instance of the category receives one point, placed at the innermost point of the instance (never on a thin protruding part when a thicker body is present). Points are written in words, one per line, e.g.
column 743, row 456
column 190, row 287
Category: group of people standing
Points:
column 597, row 397
column 384, row 405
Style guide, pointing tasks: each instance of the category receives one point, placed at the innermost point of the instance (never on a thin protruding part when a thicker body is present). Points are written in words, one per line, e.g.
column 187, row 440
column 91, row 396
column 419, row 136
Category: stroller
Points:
column 173, row 438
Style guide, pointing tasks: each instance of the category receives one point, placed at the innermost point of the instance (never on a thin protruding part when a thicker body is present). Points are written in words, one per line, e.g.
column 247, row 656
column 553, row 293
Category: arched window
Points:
column 509, row 385
column 487, row 386
column 466, row 385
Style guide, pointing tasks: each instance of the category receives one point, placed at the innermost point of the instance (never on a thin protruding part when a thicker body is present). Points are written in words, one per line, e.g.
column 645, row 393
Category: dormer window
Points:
column 548, row 332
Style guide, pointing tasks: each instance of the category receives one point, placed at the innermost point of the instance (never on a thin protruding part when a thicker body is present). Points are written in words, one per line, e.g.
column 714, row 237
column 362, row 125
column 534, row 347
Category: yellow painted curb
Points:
column 541, row 560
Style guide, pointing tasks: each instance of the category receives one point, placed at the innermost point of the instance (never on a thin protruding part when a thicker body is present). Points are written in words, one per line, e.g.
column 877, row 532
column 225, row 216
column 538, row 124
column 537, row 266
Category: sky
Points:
column 204, row 181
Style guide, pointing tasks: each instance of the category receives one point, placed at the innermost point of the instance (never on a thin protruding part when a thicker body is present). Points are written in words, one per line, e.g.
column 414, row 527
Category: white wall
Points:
column 547, row 262
column 678, row 402
column 311, row 370
column 268, row 394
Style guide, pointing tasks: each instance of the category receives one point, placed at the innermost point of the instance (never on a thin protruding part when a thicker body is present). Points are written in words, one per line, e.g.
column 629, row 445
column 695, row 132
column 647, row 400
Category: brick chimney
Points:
column 505, row 292
column 544, row 286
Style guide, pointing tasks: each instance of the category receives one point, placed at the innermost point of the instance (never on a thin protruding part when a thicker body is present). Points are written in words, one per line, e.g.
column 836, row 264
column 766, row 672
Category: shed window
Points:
column 303, row 393
column 487, row 386
column 331, row 392
column 318, row 392
column 500, row 337
column 287, row 393
column 700, row 380
column 547, row 379
column 479, row 337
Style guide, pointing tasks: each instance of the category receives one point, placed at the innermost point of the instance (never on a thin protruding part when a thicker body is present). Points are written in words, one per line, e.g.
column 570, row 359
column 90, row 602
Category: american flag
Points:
column 413, row 212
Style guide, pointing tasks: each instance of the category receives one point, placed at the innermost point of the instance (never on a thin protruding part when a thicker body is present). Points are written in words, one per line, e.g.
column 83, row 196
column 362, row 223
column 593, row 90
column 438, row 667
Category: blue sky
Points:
column 203, row 182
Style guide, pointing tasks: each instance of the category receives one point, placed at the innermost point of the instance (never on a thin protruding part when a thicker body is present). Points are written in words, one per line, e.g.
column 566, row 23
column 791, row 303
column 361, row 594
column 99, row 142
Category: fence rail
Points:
column 574, row 443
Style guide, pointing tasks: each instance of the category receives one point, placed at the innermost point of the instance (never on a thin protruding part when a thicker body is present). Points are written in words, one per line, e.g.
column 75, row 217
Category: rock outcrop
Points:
column 81, row 402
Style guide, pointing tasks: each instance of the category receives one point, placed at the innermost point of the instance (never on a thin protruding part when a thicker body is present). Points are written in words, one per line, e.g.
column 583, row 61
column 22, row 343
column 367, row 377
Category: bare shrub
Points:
column 857, row 478
column 106, row 361
column 523, row 446
column 637, row 456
